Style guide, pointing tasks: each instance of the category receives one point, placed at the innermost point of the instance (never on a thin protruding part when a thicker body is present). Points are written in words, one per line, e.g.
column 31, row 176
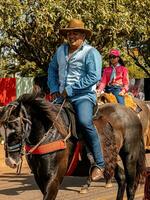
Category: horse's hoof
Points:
column 108, row 185
column 83, row 190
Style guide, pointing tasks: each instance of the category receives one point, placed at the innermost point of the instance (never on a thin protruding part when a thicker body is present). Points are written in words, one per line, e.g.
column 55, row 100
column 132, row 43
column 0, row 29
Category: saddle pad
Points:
column 110, row 98
column 129, row 102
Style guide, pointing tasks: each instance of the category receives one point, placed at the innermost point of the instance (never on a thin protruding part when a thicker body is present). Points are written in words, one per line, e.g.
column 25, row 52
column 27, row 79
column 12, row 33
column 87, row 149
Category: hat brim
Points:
column 114, row 54
column 64, row 31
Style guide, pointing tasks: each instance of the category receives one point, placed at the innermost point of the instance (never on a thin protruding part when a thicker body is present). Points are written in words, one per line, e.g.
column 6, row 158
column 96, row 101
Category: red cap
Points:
column 114, row 52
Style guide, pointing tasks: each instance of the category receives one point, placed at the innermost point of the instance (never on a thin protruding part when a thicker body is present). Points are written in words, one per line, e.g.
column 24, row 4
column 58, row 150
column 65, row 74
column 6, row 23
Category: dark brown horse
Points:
column 40, row 124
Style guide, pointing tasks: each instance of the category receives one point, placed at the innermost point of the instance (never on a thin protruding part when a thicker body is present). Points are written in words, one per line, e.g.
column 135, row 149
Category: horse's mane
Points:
column 46, row 109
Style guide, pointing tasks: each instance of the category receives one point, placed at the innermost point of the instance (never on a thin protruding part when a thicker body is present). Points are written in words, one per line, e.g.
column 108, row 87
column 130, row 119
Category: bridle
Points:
column 16, row 147
column 25, row 129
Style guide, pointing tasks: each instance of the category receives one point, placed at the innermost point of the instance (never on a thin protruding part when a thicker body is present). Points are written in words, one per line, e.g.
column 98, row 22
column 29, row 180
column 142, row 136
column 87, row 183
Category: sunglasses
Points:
column 112, row 57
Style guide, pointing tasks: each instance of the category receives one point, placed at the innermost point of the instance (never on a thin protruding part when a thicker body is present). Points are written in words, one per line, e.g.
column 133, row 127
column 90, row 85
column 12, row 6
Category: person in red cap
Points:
column 115, row 77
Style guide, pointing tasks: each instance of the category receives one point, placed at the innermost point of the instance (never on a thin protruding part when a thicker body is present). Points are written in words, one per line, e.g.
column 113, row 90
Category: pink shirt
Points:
column 121, row 79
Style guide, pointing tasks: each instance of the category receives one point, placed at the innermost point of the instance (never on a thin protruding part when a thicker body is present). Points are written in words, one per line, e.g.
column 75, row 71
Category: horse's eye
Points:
column 10, row 125
column 10, row 128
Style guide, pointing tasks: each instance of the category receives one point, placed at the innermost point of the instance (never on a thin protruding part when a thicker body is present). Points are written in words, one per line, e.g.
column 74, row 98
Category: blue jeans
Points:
column 115, row 91
column 84, row 114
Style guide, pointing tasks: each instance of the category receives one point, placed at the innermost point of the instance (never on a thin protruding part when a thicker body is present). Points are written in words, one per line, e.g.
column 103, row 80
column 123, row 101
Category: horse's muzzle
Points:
column 11, row 162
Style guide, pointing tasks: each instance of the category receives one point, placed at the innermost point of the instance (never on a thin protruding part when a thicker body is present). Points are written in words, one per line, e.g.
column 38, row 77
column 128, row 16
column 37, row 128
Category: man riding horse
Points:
column 73, row 73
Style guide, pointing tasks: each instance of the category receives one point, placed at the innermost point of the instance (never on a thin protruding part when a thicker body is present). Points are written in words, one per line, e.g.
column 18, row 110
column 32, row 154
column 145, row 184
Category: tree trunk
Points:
column 147, row 88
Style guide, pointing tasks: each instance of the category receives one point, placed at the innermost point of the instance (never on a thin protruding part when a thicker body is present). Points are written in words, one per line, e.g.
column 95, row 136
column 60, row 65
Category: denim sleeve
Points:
column 53, row 79
column 93, row 66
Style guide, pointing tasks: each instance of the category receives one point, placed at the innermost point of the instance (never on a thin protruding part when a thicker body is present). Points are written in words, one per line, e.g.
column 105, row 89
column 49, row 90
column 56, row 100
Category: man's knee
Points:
column 85, row 122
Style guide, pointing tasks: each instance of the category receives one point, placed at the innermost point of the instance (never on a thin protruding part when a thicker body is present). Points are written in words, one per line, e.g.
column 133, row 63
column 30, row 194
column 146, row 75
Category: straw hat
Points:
column 75, row 24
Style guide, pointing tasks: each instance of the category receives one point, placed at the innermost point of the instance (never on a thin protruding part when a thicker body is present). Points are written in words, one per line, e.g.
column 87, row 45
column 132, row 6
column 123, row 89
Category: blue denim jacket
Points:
column 78, row 74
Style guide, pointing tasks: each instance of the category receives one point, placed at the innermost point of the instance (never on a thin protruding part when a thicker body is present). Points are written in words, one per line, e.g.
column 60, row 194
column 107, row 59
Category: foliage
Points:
column 140, row 53
column 29, row 32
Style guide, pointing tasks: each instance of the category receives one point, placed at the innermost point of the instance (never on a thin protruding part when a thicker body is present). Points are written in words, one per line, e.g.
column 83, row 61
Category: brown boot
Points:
column 97, row 173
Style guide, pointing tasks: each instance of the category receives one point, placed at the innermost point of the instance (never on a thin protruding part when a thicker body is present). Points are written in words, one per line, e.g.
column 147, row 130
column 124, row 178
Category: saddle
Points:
column 69, row 116
column 129, row 101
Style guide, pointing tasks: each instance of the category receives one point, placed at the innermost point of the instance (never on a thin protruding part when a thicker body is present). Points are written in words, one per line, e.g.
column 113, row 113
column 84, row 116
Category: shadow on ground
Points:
column 17, row 183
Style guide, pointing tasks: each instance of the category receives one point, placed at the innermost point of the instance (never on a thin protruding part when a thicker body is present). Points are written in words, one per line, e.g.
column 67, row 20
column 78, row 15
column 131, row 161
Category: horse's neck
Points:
column 51, row 124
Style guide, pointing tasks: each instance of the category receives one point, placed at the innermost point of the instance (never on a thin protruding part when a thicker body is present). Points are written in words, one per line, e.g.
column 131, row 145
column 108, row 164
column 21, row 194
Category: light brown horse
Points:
column 143, row 114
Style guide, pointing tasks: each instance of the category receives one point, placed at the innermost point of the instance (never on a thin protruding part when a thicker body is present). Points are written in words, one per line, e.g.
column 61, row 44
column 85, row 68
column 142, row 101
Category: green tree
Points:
column 29, row 29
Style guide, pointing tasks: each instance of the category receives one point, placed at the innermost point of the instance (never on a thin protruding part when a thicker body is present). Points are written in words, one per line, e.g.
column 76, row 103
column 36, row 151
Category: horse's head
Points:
column 32, row 121
column 16, row 126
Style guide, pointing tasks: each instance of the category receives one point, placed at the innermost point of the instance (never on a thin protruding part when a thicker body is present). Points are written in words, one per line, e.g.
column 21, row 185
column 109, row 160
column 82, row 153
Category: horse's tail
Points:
column 109, row 146
column 141, row 166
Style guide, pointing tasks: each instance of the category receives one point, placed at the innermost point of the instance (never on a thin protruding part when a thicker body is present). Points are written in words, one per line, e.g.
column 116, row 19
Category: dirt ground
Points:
column 23, row 187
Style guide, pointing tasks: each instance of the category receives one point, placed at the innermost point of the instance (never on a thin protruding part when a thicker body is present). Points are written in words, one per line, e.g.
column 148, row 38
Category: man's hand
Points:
column 98, row 93
column 55, row 95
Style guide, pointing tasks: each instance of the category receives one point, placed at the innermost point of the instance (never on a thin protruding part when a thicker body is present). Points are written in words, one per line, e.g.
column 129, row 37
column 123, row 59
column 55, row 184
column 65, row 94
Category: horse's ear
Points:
column 16, row 109
column 2, row 115
column 6, row 111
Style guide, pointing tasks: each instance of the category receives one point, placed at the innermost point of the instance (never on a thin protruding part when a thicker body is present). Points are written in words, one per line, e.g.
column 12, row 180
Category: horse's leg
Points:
column 52, row 189
column 48, row 188
column 85, row 187
column 56, row 175
column 130, row 171
column 108, row 183
column 33, row 165
column 109, row 180
column 120, row 178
